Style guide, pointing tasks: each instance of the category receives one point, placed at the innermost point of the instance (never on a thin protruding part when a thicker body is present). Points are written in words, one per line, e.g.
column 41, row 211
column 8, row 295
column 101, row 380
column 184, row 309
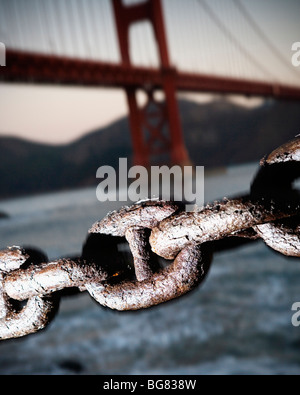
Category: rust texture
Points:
column 282, row 236
column 35, row 315
column 146, row 214
column 222, row 219
column 51, row 277
column 152, row 228
column 184, row 274
column 287, row 152
column 140, row 249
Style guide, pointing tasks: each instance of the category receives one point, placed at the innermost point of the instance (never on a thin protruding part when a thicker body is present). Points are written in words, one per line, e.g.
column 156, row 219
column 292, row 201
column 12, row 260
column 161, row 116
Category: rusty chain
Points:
column 29, row 285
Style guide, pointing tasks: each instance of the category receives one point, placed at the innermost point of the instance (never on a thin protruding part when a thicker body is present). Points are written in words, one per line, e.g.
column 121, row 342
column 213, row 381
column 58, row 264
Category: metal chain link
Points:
column 271, row 211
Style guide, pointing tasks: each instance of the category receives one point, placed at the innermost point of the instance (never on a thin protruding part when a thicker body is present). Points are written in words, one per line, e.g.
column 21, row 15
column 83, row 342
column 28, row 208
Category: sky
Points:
column 198, row 42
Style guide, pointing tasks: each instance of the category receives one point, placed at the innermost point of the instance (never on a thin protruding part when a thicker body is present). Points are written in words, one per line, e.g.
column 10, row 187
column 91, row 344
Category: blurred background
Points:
column 208, row 83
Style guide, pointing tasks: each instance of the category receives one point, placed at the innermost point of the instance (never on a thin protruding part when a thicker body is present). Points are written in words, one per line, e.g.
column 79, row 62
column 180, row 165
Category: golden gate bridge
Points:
column 90, row 43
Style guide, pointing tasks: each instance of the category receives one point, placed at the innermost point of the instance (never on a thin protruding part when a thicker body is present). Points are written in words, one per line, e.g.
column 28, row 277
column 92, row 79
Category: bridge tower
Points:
column 156, row 127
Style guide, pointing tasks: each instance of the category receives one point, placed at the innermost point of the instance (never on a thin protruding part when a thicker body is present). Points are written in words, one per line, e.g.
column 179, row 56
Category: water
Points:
column 237, row 322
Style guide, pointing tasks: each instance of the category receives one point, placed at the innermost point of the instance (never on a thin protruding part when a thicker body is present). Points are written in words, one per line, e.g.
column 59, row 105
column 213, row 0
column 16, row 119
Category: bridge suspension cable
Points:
column 206, row 40
column 264, row 38
column 216, row 38
column 235, row 41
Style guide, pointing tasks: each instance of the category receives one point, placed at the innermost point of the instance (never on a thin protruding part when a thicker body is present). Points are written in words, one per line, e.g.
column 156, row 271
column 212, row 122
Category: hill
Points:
column 216, row 134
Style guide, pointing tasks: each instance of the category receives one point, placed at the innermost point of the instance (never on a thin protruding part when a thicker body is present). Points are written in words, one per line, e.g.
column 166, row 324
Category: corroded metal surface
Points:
column 146, row 214
column 222, row 219
column 50, row 277
column 38, row 311
column 184, row 274
column 278, row 172
column 271, row 211
column 282, row 236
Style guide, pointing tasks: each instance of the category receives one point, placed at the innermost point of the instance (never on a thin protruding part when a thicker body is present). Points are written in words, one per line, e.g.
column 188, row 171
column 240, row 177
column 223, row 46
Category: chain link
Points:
column 154, row 228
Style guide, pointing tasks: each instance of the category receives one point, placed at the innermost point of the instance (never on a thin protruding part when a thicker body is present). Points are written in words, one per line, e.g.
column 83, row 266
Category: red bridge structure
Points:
column 155, row 126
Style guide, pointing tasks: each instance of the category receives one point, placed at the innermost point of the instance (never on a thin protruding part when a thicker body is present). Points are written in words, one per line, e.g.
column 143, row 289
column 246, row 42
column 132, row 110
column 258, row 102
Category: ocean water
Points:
column 237, row 322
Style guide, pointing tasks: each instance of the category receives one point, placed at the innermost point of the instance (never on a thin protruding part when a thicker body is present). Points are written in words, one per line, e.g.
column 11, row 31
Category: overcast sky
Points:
column 196, row 42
